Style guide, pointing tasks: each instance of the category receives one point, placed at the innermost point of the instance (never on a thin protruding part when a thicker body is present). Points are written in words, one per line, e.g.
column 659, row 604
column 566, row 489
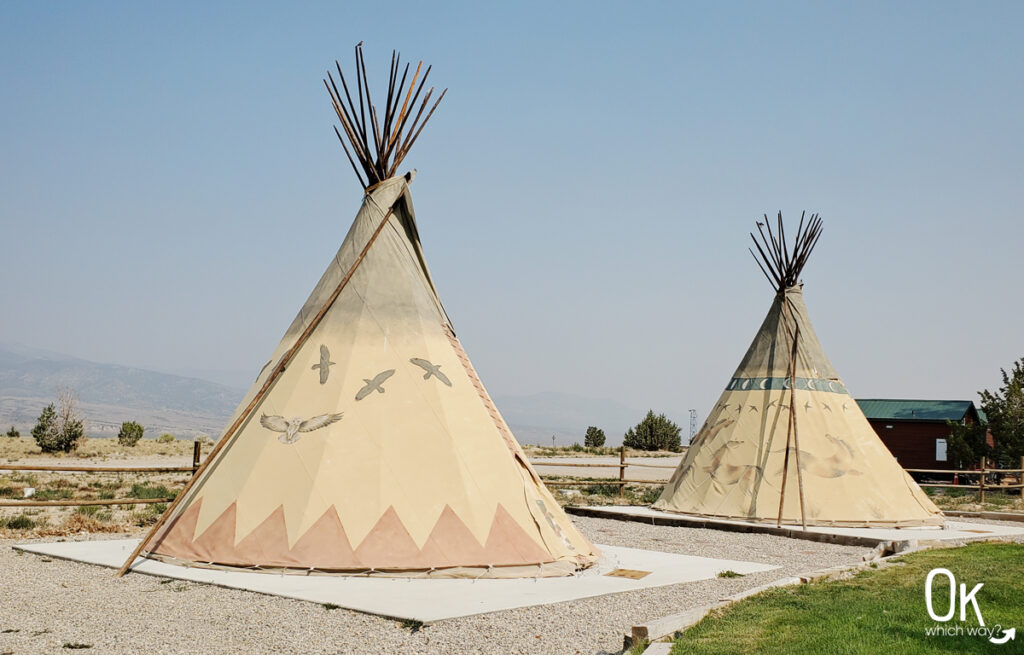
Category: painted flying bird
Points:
column 825, row 407
column 431, row 369
column 290, row 428
column 324, row 365
column 374, row 384
column 808, row 406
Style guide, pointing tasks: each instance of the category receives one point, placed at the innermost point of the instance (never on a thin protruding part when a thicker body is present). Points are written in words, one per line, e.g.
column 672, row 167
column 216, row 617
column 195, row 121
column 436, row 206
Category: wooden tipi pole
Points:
column 792, row 418
column 791, row 429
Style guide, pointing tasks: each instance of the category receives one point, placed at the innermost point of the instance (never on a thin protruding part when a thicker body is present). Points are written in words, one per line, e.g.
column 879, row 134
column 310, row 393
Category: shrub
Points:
column 165, row 438
column 13, row 433
column 130, row 433
column 594, row 438
column 43, row 431
column 649, row 495
column 654, row 433
column 146, row 491
column 60, row 430
column 54, row 494
column 19, row 522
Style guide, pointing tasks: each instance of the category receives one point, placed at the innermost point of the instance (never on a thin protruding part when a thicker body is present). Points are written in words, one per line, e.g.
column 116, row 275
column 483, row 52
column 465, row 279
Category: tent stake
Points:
column 246, row 414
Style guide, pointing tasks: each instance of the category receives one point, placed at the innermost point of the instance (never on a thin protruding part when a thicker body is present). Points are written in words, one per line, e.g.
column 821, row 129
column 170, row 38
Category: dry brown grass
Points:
column 60, row 521
column 79, row 523
column 14, row 449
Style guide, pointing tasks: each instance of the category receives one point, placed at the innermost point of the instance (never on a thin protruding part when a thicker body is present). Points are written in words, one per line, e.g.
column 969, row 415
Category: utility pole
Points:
column 693, row 423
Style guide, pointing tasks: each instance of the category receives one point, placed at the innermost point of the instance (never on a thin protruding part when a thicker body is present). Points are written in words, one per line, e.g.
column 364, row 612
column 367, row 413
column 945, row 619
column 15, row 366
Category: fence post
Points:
column 195, row 456
column 981, row 481
column 622, row 470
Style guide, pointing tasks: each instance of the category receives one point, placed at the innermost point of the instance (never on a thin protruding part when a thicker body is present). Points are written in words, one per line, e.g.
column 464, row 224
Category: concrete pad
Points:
column 953, row 531
column 421, row 600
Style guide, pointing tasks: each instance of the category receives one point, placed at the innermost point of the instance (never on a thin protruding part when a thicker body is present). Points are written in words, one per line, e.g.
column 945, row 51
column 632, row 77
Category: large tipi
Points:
column 368, row 444
column 786, row 442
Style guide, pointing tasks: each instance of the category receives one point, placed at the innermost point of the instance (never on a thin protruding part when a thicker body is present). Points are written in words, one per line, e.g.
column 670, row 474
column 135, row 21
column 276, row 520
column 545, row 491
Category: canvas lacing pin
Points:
column 486, row 573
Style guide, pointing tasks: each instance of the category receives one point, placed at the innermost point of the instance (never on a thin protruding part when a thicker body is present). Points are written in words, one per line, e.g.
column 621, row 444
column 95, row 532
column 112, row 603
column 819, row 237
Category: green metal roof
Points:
column 885, row 409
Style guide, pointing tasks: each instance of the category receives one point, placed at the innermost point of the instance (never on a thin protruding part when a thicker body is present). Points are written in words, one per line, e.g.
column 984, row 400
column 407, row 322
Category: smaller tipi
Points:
column 786, row 443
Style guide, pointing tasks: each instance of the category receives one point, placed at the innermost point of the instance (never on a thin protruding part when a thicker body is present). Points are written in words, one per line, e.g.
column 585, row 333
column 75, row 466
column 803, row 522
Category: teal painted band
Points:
column 805, row 384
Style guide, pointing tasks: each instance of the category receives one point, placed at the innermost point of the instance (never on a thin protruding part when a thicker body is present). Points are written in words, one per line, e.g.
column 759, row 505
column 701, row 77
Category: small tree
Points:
column 1005, row 412
column 594, row 438
column 130, row 433
column 654, row 433
column 60, row 430
column 13, row 433
column 967, row 444
column 44, row 431
column 70, row 426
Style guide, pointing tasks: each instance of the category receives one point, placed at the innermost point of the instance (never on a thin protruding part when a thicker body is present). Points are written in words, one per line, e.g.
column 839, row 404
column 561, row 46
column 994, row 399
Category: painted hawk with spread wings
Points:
column 290, row 428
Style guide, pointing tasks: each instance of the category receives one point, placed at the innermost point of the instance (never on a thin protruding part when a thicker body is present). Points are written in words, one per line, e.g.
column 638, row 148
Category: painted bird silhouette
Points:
column 374, row 384
column 324, row 365
column 290, row 428
column 431, row 369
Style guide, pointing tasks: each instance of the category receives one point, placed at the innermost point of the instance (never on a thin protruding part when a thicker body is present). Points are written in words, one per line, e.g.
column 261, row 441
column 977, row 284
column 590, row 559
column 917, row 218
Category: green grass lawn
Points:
column 876, row 611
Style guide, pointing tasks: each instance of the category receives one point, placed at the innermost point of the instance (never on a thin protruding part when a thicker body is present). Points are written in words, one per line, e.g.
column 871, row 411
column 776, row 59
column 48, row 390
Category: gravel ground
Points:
column 47, row 604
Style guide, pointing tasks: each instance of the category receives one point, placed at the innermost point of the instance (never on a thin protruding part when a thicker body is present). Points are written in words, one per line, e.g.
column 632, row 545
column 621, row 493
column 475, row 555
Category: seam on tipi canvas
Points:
column 440, row 420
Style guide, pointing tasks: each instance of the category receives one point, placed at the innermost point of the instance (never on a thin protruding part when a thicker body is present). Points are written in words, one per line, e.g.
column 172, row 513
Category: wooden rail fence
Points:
column 621, row 482
column 72, row 502
column 982, row 472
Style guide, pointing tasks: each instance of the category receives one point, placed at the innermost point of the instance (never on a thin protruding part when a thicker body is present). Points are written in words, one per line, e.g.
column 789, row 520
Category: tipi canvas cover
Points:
column 786, row 442
column 368, row 443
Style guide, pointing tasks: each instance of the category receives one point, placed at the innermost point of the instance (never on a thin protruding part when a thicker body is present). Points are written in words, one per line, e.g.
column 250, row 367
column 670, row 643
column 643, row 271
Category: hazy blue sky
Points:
column 171, row 188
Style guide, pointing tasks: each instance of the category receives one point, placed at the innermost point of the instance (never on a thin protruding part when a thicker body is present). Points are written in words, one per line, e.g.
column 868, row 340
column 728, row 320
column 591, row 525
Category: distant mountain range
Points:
column 189, row 406
column 536, row 418
column 109, row 394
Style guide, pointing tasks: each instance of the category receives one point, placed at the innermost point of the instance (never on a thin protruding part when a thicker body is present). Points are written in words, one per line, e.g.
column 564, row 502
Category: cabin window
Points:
column 940, row 450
